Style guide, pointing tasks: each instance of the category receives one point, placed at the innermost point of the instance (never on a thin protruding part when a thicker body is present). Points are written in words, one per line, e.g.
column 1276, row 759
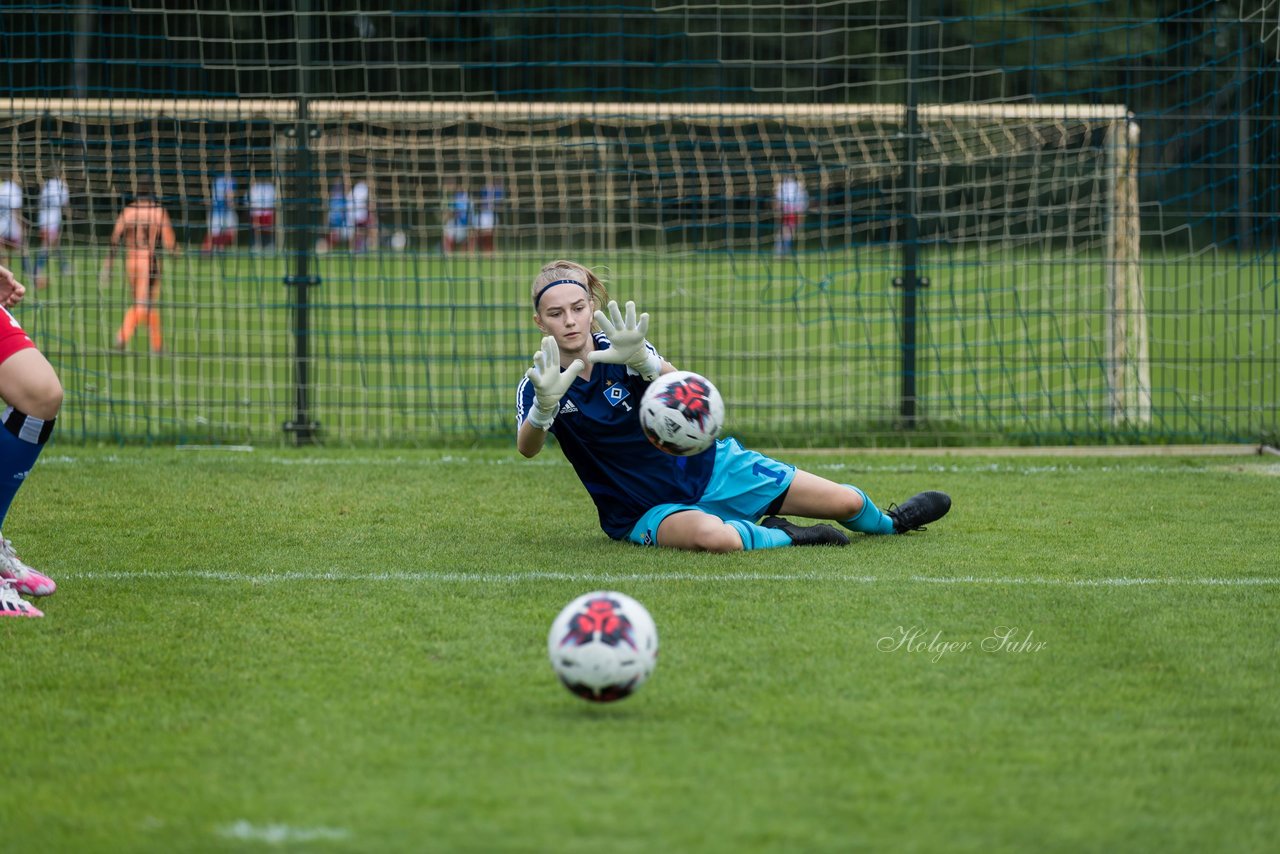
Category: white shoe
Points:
column 28, row 581
column 13, row 605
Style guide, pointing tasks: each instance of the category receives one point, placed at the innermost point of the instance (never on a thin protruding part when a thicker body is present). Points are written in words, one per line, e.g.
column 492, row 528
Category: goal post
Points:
column 1033, row 209
column 1130, row 361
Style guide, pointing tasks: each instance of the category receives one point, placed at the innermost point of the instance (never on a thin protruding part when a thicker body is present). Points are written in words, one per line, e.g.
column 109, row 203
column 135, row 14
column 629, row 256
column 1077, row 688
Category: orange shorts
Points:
column 12, row 338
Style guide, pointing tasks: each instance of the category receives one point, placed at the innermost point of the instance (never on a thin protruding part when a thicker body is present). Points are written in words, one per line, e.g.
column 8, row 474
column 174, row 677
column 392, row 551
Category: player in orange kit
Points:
column 143, row 228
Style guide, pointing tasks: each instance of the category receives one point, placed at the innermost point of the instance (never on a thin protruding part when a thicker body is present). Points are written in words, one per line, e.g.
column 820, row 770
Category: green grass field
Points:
column 344, row 650
column 411, row 349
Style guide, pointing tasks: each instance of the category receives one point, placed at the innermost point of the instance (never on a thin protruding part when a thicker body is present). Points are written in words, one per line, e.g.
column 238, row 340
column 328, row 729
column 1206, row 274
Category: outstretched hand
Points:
column 549, row 382
column 11, row 290
column 627, row 341
column 626, row 335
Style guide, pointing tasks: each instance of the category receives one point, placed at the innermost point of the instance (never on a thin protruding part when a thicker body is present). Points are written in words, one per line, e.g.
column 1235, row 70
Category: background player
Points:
column 339, row 222
column 32, row 395
column 223, row 220
column 262, row 214
column 790, row 201
column 457, row 220
column 11, row 231
column 360, row 212
column 143, row 229
column 712, row 501
column 491, row 198
column 54, row 199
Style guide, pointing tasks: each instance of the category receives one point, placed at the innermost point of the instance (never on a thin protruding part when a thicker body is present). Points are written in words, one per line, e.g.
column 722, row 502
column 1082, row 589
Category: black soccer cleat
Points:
column 807, row 535
column 919, row 510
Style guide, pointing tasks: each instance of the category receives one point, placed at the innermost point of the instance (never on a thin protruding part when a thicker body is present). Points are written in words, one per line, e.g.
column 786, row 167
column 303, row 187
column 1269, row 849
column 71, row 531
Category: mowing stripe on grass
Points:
column 1072, row 467
column 649, row 577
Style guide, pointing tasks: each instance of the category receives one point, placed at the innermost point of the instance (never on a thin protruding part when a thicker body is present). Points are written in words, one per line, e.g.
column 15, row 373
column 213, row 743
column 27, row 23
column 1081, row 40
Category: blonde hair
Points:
column 571, row 271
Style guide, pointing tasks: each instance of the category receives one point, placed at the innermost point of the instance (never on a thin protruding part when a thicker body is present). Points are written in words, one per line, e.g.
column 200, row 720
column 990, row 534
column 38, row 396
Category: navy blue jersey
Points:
column 598, row 429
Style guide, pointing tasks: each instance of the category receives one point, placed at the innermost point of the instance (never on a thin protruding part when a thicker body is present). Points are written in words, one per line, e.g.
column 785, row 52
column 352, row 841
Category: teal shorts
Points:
column 743, row 484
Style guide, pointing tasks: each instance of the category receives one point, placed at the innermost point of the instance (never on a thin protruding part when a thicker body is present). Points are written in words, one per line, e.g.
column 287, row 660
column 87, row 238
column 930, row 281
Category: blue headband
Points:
column 546, row 288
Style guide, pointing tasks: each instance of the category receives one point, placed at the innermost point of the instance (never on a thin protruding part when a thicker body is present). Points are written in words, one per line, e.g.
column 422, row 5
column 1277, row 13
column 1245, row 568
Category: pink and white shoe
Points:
column 13, row 605
column 26, row 580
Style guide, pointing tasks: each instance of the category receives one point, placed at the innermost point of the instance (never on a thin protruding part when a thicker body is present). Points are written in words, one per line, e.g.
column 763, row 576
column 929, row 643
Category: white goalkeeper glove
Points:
column 627, row 340
column 549, row 383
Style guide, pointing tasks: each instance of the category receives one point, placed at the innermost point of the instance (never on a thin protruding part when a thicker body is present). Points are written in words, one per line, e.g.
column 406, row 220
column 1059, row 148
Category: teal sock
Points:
column 756, row 537
column 870, row 520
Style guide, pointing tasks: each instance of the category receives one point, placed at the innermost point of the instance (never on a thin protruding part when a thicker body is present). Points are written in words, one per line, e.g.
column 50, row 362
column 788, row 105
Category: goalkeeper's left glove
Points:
column 627, row 340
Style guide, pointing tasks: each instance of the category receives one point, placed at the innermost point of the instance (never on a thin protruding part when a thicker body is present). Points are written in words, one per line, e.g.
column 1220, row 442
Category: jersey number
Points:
column 765, row 471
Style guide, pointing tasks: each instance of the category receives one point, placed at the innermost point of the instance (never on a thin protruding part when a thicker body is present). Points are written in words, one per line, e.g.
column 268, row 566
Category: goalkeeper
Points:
column 585, row 387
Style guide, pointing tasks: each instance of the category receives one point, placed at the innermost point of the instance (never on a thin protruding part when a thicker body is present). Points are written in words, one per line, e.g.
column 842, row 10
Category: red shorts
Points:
column 790, row 219
column 12, row 338
column 263, row 220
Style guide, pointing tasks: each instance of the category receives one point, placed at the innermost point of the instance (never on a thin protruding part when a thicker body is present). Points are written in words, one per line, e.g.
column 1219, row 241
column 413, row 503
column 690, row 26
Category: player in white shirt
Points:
column 54, row 199
column 491, row 198
column 262, row 213
column 11, row 217
column 790, row 201
column 360, row 212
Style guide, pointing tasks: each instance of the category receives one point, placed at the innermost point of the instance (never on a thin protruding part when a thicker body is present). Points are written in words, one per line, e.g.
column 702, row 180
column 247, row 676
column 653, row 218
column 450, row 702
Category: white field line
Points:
column 832, row 469
column 281, row 834
column 653, row 577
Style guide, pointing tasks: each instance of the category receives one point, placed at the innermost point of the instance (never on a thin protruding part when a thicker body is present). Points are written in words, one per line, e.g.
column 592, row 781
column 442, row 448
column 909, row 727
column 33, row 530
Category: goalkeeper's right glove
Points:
column 549, row 383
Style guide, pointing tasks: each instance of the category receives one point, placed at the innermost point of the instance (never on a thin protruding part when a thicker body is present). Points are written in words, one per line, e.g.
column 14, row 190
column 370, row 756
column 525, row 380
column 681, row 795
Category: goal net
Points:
column 1033, row 319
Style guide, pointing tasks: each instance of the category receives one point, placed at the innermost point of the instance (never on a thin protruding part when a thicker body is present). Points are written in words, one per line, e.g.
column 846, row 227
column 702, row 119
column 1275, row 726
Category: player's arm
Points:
column 549, row 385
column 530, row 440
column 117, row 233
column 167, row 237
column 11, row 290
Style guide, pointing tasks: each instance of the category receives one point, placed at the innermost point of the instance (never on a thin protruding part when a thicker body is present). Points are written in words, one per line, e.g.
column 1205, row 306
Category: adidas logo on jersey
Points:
column 568, row 407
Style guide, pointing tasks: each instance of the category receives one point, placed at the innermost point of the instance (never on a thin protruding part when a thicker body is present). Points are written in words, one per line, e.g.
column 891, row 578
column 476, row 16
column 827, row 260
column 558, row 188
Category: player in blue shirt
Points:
column 585, row 387
column 457, row 221
column 340, row 230
column 223, row 221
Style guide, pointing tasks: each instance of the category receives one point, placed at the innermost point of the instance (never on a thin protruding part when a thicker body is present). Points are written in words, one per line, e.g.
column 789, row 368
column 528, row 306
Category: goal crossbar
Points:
column 373, row 110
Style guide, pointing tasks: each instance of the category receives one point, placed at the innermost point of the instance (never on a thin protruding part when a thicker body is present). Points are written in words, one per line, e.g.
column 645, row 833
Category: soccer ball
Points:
column 603, row 646
column 682, row 413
